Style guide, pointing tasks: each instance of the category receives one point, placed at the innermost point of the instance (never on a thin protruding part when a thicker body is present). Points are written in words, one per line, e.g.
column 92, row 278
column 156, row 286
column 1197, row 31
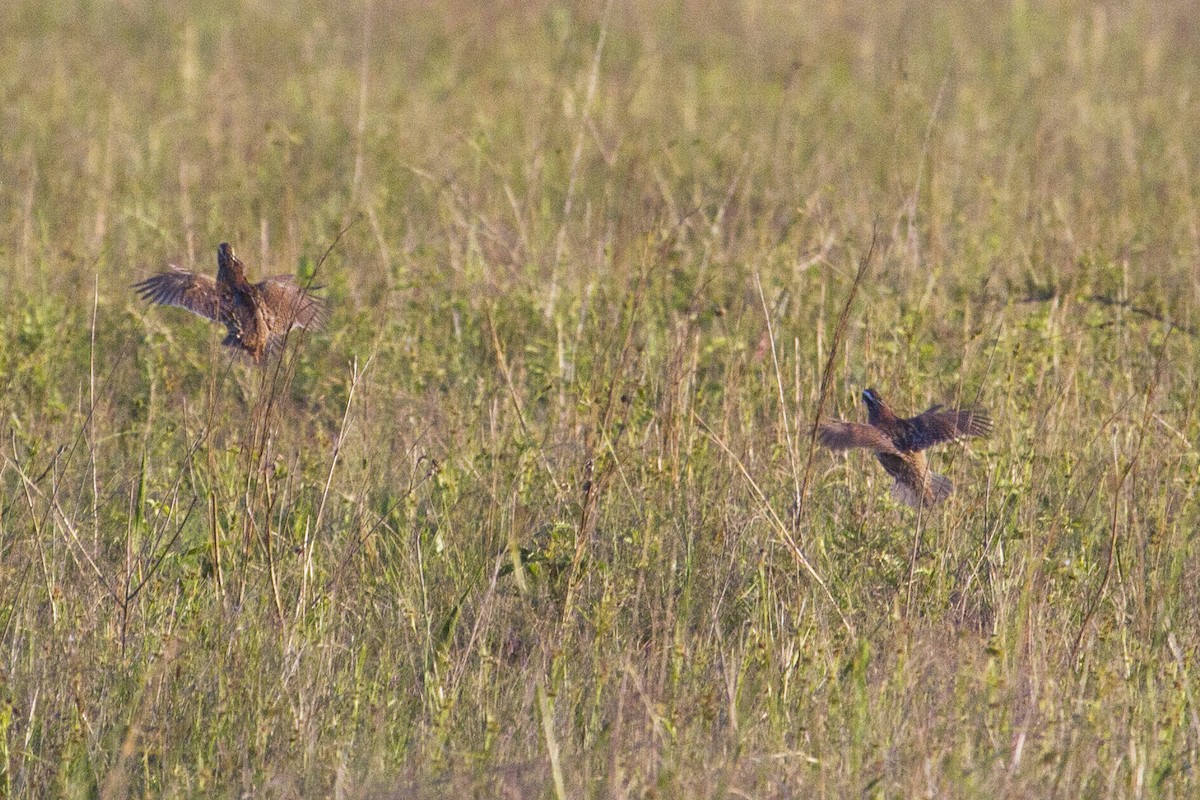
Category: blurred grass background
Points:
column 528, row 519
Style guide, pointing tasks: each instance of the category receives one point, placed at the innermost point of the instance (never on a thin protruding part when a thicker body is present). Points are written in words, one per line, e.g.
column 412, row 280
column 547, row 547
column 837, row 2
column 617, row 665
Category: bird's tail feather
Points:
column 937, row 489
column 940, row 486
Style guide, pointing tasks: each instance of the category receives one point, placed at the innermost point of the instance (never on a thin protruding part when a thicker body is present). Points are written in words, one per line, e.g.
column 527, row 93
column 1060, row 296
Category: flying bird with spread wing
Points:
column 257, row 316
column 899, row 444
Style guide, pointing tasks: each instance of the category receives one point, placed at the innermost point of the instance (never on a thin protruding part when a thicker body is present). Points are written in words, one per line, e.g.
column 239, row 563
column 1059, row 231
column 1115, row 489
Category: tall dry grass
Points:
column 539, row 513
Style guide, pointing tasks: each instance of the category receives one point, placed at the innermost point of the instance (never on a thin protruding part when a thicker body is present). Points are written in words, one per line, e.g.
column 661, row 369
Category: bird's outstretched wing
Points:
column 196, row 293
column 292, row 304
column 936, row 425
column 838, row 435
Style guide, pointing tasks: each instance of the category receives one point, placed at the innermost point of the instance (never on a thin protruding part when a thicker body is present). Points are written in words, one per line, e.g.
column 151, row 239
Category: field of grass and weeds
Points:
column 539, row 513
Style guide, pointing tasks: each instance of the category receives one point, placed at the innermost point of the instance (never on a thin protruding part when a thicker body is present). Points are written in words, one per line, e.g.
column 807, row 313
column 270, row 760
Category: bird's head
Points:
column 876, row 408
column 228, row 266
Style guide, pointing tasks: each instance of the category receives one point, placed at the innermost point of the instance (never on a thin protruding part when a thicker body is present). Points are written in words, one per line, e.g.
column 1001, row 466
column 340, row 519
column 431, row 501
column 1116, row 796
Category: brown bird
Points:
column 898, row 444
column 257, row 315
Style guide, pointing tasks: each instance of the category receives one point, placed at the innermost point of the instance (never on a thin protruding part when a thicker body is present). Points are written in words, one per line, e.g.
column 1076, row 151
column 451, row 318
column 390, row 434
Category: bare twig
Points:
column 787, row 431
column 864, row 265
column 784, row 533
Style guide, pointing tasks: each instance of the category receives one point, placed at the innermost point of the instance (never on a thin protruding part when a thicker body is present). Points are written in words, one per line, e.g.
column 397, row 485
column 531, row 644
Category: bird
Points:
column 899, row 444
column 257, row 316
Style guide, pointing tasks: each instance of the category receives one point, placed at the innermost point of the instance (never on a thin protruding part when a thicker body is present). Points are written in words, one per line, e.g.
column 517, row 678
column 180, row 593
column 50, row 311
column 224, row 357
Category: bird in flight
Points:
column 257, row 316
column 899, row 443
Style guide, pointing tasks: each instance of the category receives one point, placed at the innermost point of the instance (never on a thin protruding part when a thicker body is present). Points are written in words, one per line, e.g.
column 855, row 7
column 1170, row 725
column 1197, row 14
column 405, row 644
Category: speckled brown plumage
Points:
column 257, row 316
column 898, row 444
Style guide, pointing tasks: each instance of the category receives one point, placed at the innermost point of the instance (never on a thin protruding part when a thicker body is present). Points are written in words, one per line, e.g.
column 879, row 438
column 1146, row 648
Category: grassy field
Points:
column 539, row 513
